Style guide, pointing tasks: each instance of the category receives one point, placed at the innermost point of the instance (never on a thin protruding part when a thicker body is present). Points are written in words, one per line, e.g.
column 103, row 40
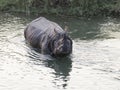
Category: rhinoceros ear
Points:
column 55, row 31
column 66, row 28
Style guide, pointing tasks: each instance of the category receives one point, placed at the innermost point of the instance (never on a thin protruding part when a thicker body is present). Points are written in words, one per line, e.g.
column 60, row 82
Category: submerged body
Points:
column 48, row 36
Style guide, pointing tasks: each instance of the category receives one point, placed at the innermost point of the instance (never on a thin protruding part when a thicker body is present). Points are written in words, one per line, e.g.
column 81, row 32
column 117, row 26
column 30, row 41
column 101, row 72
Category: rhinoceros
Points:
column 48, row 36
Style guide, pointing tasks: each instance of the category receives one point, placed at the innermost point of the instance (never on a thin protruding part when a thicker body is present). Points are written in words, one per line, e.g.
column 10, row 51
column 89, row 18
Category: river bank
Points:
column 81, row 8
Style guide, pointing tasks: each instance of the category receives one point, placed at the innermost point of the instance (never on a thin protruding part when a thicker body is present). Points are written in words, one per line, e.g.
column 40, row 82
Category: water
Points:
column 93, row 65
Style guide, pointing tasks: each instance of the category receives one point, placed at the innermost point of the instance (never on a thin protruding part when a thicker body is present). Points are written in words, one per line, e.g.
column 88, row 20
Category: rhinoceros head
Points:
column 61, row 45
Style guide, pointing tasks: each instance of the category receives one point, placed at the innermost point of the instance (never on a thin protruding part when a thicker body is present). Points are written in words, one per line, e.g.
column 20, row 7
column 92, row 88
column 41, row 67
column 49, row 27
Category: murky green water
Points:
column 93, row 65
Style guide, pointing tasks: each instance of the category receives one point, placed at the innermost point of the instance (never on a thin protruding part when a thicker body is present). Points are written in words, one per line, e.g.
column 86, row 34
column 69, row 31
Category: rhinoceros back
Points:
column 40, row 30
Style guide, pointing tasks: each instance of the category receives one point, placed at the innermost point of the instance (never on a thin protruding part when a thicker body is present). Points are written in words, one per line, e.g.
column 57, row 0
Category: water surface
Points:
column 93, row 65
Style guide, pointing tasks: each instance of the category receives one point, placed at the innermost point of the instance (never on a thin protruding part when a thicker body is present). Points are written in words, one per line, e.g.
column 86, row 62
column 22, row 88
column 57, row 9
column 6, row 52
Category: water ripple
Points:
column 93, row 64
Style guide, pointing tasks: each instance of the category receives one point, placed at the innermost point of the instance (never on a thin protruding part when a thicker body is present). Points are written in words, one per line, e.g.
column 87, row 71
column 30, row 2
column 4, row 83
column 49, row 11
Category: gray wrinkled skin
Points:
column 48, row 36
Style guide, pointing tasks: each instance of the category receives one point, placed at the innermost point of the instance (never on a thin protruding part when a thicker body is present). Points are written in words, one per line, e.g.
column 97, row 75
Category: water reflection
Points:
column 61, row 66
column 89, row 29
column 85, row 29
